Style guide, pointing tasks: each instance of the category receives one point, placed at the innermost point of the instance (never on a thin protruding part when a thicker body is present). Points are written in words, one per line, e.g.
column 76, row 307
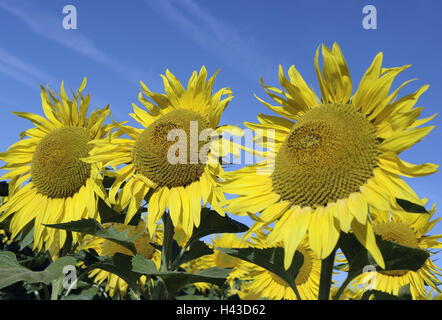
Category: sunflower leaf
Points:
column 396, row 257
column 119, row 264
column 175, row 280
column 92, row 227
column 143, row 265
column 26, row 236
column 4, row 225
column 212, row 223
column 271, row 259
column 108, row 215
column 411, row 207
column 378, row 295
column 197, row 249
column 11, row 271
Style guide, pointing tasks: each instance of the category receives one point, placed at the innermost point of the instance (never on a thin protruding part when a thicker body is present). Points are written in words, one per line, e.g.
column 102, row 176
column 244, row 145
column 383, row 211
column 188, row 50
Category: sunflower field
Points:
column 93, row 208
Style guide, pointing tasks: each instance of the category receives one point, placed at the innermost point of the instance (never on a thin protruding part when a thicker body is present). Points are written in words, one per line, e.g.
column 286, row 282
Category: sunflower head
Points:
column 335, row 157
column 327, row 155
column 170, row 154
column 49, row 182
column 56, row 168
column 408, row 229
column 156, row 158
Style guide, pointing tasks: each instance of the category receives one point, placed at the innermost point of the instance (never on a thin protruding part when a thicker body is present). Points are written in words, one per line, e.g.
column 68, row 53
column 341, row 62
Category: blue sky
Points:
column 119, row 43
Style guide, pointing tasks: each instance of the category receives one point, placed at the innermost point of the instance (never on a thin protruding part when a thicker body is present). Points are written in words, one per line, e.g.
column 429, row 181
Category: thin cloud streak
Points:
column 21, row 71
column 48, row 26
column 221, row 40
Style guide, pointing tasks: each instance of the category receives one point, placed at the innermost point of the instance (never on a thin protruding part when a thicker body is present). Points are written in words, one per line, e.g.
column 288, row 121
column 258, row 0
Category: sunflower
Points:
column 333, row 158
column 262, row 283
column 48, row 181
column 408, row 229
column 109, row 248
column 182, row 173
column 220, row 259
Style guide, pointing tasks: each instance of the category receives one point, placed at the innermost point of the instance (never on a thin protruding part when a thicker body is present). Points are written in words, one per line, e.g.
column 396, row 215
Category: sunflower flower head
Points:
column 334, row 158
column 49, row 182
column 412, row 230
column 169, row 154
column 258, row 282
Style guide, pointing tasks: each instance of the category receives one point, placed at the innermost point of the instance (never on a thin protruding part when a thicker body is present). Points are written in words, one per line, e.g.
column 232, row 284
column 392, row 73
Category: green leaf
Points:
column 11, row 271
column 405, row 292
column 380, row 295
column 197, row 249
column 175, row 280
column 213, row 223
column 108, row 215
column 92, row 227
column 108, row 181
column 271, row 259
column 143, row 265
column 26, row 236
column 4, row 225
column 119, row 264
column 396, row 256
column 411, row 207
column 87, row 294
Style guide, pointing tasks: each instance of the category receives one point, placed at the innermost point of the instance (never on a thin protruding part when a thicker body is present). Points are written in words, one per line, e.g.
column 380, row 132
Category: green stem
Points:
column 295, row 290
column 46, row 292
column 326, row 276
column 167, row 243
column 67, row 245
column 342, row 288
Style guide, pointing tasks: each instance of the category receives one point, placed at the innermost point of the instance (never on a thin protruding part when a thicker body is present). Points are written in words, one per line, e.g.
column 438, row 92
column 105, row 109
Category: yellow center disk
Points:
column 168, row 150
column 56, row 168
column 329, row 153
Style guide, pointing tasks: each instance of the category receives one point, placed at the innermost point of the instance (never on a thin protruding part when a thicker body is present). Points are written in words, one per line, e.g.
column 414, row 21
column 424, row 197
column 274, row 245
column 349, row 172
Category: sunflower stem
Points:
column 342, row 288
column 67, row 244
column 167, row 243
column 326, row 276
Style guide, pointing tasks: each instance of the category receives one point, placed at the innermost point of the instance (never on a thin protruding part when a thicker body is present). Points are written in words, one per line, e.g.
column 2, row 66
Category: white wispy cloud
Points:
column 21, row 71
column 48, row 25
column 221, row 40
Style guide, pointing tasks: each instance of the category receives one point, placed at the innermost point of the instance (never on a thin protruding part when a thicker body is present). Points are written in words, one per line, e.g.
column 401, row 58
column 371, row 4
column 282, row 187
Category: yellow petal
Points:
column 365, row 235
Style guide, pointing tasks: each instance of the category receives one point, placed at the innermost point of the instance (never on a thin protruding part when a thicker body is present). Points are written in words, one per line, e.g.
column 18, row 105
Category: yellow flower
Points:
column 332, row 159
column 59, row 187
column 258, row 282
column 105, row 247
column 145, row 158
column 219, row 259
column 408, row 229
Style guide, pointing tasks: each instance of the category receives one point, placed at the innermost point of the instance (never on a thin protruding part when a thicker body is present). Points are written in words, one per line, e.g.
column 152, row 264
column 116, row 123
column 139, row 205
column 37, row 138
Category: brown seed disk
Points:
column 329, row 153
column 56, row 168
column 167, row 151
